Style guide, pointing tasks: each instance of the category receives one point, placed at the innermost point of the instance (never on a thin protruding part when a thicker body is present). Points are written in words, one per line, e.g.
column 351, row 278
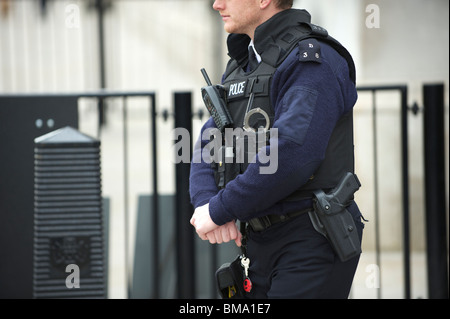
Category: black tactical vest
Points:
column 242, row 86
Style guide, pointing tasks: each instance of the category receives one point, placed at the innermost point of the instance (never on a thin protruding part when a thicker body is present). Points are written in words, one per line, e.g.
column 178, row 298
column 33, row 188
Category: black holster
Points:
column 332, row 219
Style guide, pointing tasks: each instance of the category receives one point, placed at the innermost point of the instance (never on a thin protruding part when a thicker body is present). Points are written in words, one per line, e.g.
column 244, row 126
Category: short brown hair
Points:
column 284, row 4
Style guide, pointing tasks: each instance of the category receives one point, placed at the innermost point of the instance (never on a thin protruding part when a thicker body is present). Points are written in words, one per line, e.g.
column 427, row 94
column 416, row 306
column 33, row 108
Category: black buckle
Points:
column 260, row 223
column 266, row 221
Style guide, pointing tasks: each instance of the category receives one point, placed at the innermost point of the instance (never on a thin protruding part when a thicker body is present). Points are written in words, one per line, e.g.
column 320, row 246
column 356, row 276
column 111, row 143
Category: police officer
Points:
column 303, row 82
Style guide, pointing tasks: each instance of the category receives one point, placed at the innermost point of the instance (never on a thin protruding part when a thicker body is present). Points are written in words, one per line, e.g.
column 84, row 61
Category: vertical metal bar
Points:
column 155, row 204
column 214, row 258
column 405, row 194
column 376, row 193
column 185, row 260
column 101, row 57
column 99, row 127
column 125, row 192
column 101, row 112
column 435, row 193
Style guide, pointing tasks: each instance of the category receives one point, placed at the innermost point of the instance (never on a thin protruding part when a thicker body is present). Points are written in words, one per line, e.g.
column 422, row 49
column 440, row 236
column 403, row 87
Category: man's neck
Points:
column 267, row 13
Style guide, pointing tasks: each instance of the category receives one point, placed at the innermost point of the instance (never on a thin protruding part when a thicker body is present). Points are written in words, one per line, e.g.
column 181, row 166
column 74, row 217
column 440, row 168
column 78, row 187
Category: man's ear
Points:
column 263, row 4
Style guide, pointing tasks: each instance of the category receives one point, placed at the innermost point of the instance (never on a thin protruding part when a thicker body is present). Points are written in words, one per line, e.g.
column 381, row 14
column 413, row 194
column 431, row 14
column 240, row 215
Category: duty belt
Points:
column 259, row 224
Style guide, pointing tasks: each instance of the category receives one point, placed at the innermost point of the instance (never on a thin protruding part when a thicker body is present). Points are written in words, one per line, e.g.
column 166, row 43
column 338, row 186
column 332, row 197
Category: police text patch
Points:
column 237, row 89
column 309, row 51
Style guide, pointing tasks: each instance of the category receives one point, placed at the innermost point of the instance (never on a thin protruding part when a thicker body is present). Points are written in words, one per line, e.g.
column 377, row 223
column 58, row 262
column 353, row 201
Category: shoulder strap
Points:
column 231, row 66
column 278, row 51
column 344, row 53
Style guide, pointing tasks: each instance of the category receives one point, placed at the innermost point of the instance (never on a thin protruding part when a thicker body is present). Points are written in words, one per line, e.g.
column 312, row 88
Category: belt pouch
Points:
column 230, row 280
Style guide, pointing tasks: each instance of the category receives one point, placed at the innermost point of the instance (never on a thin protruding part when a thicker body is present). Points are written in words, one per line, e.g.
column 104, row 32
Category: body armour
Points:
column 249, row 99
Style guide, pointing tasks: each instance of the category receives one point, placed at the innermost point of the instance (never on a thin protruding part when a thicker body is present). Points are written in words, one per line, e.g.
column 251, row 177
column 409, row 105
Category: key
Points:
column 247, row 284
column 245, row 262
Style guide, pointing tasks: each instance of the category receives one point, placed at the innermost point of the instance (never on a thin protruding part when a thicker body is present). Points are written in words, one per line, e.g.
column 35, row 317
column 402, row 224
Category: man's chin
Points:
column 230, row 28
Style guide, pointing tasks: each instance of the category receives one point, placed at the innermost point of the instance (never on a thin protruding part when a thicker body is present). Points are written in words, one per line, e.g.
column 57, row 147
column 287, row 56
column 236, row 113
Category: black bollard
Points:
column 68, row 255
column 183, row 208
column 435, row 193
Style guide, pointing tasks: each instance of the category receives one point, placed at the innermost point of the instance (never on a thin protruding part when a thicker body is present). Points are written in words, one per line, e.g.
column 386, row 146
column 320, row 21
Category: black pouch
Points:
column 230, row 280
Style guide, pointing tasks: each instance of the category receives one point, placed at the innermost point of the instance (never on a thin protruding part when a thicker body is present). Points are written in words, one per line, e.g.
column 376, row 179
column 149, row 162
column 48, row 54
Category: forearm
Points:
column 252, row 193
column 202, row 185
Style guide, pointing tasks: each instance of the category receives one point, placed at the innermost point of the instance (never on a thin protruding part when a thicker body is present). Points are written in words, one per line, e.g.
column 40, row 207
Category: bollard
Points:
column 183, row 208
column 68, row 255
column 435, row 193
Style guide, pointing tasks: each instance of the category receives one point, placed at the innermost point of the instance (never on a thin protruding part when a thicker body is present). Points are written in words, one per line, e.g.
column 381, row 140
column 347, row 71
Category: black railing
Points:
column 155, row 243
column 403, row 90
column 184, row 249
column 435, row 201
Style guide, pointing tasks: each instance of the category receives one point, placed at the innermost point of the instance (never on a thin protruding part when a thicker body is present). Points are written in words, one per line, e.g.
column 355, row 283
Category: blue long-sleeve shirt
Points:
column 309, row 96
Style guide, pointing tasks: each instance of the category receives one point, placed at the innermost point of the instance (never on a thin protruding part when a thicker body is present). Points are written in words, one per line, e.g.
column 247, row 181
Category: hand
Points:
column 202, row 221
column 225, row 233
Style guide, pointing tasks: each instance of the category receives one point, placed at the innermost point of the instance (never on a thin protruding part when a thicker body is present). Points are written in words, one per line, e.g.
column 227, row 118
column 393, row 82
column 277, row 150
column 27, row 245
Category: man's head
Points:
column 243, row 16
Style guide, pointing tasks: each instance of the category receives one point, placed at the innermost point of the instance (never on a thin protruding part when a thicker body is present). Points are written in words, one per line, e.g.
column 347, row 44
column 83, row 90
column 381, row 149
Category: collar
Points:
column 265, row 34
column 258, row 57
